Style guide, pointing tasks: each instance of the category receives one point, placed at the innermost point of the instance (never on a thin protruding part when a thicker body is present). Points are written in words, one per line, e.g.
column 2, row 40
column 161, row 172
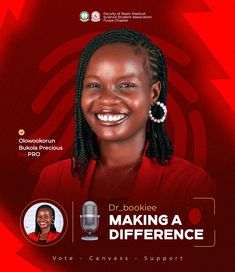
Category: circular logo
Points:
column 95, row 16
column 84, row 16
column 21, row 132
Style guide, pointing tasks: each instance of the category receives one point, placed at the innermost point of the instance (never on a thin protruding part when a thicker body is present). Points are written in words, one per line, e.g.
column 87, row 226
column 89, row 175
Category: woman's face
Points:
column 44, row 218
column 117, row 95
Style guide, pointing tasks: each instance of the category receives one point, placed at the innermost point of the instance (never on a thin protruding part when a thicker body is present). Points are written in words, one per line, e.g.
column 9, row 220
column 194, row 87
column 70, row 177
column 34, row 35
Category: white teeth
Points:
column 110, row 117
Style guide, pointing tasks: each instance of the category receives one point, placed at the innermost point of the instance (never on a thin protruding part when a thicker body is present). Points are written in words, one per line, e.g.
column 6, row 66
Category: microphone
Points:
column 89, row 220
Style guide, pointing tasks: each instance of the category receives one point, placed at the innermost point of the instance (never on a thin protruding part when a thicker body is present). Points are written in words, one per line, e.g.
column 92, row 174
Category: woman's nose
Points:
column 109, row 97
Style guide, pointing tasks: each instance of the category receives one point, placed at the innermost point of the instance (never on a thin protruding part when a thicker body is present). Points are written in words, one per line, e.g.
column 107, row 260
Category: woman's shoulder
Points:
column 189, row 174
column 62, row 165
column 33, row 236
column 178, row 165
column 58, row 170
column 55, row 234
column 55, row 180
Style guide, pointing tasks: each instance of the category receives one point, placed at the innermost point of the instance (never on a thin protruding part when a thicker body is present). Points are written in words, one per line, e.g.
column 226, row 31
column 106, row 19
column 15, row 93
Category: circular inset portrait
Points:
column 44, row 222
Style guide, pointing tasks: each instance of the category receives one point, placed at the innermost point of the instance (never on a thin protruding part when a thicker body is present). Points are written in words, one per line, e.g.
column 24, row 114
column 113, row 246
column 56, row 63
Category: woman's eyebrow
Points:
column 90, row 76
column 127, row 76
column 118, row 78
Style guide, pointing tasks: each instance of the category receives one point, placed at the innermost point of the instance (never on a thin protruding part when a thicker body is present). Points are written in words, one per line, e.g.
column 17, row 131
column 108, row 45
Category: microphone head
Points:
column 89, row 217
column 89, row 207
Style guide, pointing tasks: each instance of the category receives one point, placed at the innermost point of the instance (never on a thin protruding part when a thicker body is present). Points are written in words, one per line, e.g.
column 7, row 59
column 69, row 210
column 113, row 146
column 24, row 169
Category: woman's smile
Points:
column 42, row 224
column 110, row 117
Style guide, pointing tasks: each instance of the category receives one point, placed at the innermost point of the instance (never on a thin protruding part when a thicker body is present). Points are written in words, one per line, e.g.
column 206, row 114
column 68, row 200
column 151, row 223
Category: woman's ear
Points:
column 155, row 92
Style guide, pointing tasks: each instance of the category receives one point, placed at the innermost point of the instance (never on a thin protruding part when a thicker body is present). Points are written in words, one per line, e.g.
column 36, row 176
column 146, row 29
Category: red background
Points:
column 40, row 42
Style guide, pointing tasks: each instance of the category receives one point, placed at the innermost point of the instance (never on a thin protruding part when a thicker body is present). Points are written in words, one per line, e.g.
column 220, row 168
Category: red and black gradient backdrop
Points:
column 40, row 42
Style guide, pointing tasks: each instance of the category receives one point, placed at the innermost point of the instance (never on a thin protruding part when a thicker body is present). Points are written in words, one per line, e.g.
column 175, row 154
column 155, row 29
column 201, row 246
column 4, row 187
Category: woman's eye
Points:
column 127, row 85
column 45, row 218
column 93, row 85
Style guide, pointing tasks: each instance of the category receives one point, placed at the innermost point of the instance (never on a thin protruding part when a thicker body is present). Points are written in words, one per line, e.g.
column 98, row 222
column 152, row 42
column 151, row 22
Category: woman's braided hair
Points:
column 85, row 142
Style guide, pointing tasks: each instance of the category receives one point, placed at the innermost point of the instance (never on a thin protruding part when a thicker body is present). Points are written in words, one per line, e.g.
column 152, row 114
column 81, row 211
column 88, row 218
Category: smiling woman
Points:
column 115, row 89
column 121, row 149
column 45, row 230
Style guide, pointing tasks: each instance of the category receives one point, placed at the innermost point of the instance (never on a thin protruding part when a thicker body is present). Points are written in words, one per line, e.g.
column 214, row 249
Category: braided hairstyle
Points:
column 85, row 142
column 52, row 227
